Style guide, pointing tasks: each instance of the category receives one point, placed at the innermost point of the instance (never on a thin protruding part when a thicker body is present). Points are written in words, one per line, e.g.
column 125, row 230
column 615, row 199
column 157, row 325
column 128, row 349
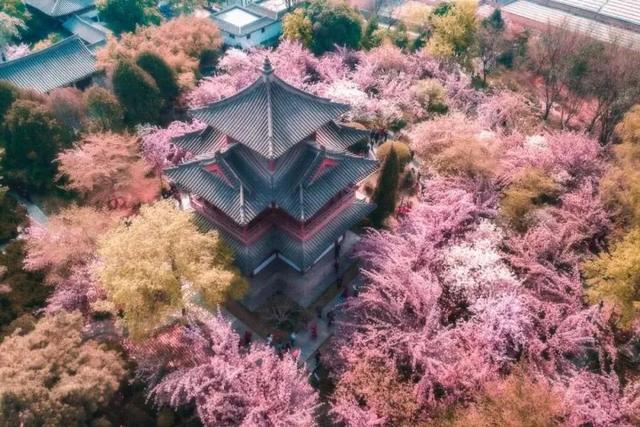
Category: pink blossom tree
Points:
column 157, row 146
column 203, row 364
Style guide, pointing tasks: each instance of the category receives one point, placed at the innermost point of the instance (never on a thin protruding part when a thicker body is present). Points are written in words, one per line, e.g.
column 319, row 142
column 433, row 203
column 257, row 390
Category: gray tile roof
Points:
column 302, row 253
column 90, row 32
column 334, row 136
column 270, row 116
column 243, row 184
column 56, row 8
column 59, row 65
column 205, row 141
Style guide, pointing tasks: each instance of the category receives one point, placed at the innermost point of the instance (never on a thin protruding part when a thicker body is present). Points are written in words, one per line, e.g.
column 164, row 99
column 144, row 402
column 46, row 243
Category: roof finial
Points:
column 266, row 66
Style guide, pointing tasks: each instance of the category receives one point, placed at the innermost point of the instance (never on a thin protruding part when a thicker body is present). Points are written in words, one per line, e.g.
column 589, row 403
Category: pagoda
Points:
column 272, row 174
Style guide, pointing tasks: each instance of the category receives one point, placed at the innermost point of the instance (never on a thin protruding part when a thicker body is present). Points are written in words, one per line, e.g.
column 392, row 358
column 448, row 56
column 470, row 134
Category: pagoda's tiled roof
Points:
column 302, row 253
column 205, row 141
column 240, row 183
column 339, row 137
column 334, row 136
column 56, row 8
column 270, row 116
column 59, row 65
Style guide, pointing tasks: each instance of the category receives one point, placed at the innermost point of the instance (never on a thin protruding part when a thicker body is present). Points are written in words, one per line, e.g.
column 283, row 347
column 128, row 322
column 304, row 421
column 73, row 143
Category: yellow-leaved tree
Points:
column 454, row 27
column 157, row 263
column 614, row 277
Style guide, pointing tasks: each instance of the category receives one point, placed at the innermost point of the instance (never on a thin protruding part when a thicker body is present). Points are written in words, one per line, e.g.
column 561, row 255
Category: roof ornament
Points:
column 266, row 66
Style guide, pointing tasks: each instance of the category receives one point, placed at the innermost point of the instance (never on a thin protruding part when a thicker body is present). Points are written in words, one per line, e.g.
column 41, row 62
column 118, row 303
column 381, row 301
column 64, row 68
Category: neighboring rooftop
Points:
column 544, row 15
column 61, row 64
column 90, row 32
column 624, row 13
column 240, row 20
column 58, row 8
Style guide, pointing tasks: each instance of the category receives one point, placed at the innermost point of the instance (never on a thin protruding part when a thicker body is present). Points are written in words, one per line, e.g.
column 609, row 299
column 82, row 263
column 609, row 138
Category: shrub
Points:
column 431, row 95
column 531, row 190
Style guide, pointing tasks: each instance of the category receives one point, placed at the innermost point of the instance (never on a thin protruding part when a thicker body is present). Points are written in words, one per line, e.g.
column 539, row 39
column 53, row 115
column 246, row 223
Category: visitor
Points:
column 292, row 339
column 246, row 339
column 330, row 318
column 318, row 312
column 314, row 331
column 270, row 340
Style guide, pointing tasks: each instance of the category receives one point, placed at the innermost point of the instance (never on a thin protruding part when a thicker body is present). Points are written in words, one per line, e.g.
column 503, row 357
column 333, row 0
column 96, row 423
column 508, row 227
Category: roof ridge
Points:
column 298, row 91
column 55, row 6
column 267, row 72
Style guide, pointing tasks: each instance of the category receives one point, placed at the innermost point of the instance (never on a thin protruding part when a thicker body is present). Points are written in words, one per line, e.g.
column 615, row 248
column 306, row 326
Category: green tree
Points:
column 163, row 75
column 156, row 263
column 490, row 43
column 137, row 93
column 387, row 188
column 126, row 15
column 32, row 139
column 103, row 110
column 297, row 26
column 8, row 94
column 11, row 214
column 54, row 376
column 16, row 8
column 333, row 24
column 369, row 39
column 22, row 291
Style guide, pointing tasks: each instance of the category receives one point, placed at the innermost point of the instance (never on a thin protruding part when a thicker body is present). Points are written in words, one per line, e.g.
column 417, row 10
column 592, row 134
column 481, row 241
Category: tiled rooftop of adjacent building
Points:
column 599, row 30
column 625, row 12
column 56, row 8
column 59, row 65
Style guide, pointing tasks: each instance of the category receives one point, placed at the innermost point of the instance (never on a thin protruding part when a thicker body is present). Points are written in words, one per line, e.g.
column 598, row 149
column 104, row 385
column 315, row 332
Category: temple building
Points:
column 271, row 172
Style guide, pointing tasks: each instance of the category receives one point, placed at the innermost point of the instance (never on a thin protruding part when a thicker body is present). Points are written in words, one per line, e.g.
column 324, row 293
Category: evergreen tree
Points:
column 103, row 109
column 369, row 40
column 8, row 94
column 163, row 75
column 137, row 93
column 32, row 139
column 387, row 189
column 334, row 25
column 126, row 15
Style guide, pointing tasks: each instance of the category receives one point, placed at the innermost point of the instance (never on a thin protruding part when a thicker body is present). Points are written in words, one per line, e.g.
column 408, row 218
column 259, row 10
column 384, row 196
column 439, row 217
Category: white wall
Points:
column 256, row 38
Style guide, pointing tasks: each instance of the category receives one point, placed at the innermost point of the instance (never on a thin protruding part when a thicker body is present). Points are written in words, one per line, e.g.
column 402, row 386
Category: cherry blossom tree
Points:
column 67, row 241
column 157, row 146
column 202, row 363
column 107, row 169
